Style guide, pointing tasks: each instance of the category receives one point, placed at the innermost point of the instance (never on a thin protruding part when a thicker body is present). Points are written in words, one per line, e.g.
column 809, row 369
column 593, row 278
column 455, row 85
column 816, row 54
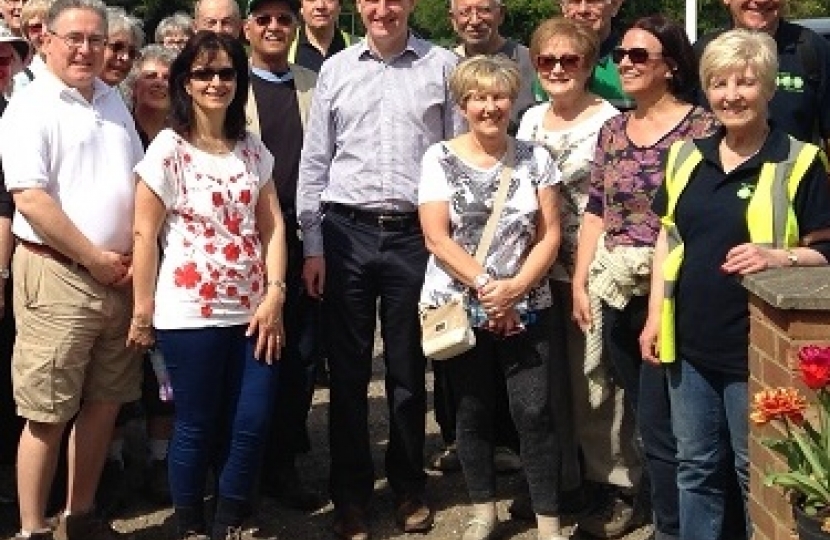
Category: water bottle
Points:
column 163, row 378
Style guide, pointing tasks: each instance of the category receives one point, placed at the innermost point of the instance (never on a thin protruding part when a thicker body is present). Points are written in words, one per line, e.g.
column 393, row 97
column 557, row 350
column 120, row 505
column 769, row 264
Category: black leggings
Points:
column 524, row 359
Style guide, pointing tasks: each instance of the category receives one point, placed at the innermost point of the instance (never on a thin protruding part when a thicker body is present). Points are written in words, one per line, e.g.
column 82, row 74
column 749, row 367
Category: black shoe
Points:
column 613, row 516
column 288, row 490
column 157, row 484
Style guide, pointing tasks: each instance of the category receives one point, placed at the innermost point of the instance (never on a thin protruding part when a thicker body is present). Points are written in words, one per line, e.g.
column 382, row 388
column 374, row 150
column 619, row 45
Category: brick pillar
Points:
column 788, row 308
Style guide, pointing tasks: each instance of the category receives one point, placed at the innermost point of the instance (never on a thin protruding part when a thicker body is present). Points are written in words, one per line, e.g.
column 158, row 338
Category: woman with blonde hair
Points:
column 509, row 299
column 717, row 208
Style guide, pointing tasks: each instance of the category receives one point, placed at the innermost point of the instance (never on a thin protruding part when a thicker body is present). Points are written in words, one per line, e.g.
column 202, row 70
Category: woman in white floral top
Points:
column 215, row 294
column 509, row 297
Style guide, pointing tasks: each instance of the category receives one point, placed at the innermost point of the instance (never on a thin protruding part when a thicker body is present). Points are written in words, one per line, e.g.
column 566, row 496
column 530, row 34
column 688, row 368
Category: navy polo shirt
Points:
column 712, row 312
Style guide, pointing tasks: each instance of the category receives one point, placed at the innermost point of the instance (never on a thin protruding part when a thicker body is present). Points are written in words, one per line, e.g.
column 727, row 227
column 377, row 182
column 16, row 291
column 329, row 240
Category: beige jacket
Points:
column 304, row 82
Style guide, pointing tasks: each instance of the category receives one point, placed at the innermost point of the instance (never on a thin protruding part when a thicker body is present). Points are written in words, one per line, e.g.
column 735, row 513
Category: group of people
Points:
column 202, row 202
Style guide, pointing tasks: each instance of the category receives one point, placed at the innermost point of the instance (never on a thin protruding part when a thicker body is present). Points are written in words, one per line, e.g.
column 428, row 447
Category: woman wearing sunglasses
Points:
column 509, row 301
column 205, row 196
column 718, row 210
column 564, row 53
column 616, row 239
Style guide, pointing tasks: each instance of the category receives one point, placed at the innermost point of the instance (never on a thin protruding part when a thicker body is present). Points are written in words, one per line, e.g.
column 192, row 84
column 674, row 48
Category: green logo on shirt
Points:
column 789, row 82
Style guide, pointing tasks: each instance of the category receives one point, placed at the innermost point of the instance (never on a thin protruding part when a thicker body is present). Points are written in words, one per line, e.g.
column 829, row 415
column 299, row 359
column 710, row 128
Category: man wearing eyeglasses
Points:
column 68, row 146
column 277, row 109
column 605, row 81
column 318, row 38
column 218, row 16
column 476, row 23
column 377, row 106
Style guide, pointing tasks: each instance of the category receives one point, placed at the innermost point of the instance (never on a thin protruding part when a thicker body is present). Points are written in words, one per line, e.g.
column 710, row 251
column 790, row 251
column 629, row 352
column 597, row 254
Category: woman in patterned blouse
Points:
column 509, row 299
column 205, row 195
column 657, row 67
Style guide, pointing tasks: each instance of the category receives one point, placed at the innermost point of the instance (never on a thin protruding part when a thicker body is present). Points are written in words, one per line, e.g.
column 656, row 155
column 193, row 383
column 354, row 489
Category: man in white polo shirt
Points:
column 68, row 146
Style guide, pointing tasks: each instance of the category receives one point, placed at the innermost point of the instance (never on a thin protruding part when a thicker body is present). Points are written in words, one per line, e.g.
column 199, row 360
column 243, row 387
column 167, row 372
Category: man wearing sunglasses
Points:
column 378, row 105
column 476, row 23
column 284, row 90
column 605, row 81
column 801, row 103
column 71, row 366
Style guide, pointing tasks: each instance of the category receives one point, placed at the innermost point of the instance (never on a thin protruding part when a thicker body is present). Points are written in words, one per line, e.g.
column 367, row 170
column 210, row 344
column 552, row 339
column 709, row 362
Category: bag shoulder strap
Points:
column 498, row 202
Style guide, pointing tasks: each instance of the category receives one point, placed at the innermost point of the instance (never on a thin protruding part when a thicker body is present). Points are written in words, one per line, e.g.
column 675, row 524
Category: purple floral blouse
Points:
column 625, row 177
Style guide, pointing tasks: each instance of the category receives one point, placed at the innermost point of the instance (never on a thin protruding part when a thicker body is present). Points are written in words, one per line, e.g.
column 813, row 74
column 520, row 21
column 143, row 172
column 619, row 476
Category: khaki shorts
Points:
column 71, row 340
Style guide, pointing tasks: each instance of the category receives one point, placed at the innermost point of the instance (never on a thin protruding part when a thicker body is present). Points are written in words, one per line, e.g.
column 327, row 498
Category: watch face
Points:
column 481, row 280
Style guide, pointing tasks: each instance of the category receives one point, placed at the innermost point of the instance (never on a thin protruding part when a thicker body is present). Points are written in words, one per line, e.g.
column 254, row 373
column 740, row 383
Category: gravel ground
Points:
column 446, row 492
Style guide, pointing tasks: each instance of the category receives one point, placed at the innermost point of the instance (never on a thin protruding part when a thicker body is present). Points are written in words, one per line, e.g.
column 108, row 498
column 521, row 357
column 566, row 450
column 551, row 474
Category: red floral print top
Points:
column 212, row 271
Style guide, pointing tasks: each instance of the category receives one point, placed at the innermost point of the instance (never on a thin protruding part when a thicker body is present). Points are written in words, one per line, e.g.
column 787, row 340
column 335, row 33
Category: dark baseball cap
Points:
column 293, row 5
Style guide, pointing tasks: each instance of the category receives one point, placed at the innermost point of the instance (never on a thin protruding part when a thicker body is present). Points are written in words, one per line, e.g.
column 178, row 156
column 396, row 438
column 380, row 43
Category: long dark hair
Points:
column 208, row 45
column 677, row 51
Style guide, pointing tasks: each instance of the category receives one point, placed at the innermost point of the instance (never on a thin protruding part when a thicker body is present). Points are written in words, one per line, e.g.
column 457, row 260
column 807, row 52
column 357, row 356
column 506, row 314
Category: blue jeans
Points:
column 709, row 416
column 223, row 398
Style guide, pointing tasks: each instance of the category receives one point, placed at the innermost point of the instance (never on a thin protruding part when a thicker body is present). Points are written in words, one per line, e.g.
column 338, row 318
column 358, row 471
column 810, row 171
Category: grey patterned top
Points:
column 470, row 191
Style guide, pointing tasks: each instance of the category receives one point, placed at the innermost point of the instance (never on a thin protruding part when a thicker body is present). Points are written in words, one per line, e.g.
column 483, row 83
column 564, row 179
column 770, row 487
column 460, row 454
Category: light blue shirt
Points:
column 370, row 123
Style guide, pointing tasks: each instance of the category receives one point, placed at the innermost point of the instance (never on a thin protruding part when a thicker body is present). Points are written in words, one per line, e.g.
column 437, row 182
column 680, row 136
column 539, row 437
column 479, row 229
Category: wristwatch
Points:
column 5, row 273
column 481, row 280
column 792, row 257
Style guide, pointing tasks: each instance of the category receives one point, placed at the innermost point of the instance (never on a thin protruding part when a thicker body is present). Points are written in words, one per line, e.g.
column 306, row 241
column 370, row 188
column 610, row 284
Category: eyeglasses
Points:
column 226, row 74
column 120, row 49
column 569, row 62
column 151, row 76
column 76, row 40
column 34, row 27
column 283, row 19
column 483, row 12
column 6, row 61
column 637, row 55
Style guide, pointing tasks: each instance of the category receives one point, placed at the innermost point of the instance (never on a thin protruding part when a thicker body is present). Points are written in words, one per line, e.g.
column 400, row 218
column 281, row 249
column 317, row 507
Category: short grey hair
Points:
column 151, row 53
column 177, row 22
column 121, row 21
column 737, row 49
column 235, row 5
column 57, row 9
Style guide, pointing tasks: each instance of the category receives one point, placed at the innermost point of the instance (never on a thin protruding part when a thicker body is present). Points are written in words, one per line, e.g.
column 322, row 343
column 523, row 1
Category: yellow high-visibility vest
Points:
column 770, row 217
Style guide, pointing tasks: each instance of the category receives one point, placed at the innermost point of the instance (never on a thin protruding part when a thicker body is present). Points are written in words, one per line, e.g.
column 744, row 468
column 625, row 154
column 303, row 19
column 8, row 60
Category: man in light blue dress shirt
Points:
column 378, row 105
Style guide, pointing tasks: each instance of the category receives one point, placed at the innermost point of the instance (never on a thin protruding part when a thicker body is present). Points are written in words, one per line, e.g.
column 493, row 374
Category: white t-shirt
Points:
column 81, row 153
column 212, row 272
column 470, row 191
column 573, row 151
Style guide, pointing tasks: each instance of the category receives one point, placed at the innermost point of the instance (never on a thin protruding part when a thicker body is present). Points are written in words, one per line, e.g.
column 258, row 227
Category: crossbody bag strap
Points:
column 498, row 203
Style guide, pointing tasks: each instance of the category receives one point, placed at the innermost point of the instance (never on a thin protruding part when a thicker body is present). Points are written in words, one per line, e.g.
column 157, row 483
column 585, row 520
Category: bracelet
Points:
column 276, row 283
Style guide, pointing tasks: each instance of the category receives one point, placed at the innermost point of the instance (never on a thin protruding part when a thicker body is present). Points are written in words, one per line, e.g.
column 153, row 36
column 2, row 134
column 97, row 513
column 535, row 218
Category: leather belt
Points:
column 387, row 221
column 50, row 253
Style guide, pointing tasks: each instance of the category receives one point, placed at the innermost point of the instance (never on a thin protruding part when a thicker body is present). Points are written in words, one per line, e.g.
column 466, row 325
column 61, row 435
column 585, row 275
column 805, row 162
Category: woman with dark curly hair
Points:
column 205, row 195
column 613, row 264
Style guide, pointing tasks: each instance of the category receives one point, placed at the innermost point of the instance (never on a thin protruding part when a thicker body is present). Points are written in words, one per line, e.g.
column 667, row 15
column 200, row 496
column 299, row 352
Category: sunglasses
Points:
column 569, row 62
column 226, row 74
column 637, row 55
column 283, row 19
column 119, row 49
column 34, row 27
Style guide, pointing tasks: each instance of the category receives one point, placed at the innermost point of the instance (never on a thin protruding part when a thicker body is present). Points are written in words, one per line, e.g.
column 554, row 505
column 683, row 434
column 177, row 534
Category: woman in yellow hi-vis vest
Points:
column 734, row 203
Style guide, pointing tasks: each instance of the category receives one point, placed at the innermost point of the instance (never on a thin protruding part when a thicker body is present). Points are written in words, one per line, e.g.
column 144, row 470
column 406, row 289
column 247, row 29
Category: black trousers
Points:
column 289, row 421
column 524, row 359
column 369, row 268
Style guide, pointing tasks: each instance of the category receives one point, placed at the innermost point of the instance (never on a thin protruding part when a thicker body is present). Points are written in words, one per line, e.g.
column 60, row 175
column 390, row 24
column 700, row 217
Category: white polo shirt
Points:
column 82, row 154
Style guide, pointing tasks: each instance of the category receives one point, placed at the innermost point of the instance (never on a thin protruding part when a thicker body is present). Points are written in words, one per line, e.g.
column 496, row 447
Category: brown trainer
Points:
column 86, row 526
column 414, row 516
column 350, row 524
